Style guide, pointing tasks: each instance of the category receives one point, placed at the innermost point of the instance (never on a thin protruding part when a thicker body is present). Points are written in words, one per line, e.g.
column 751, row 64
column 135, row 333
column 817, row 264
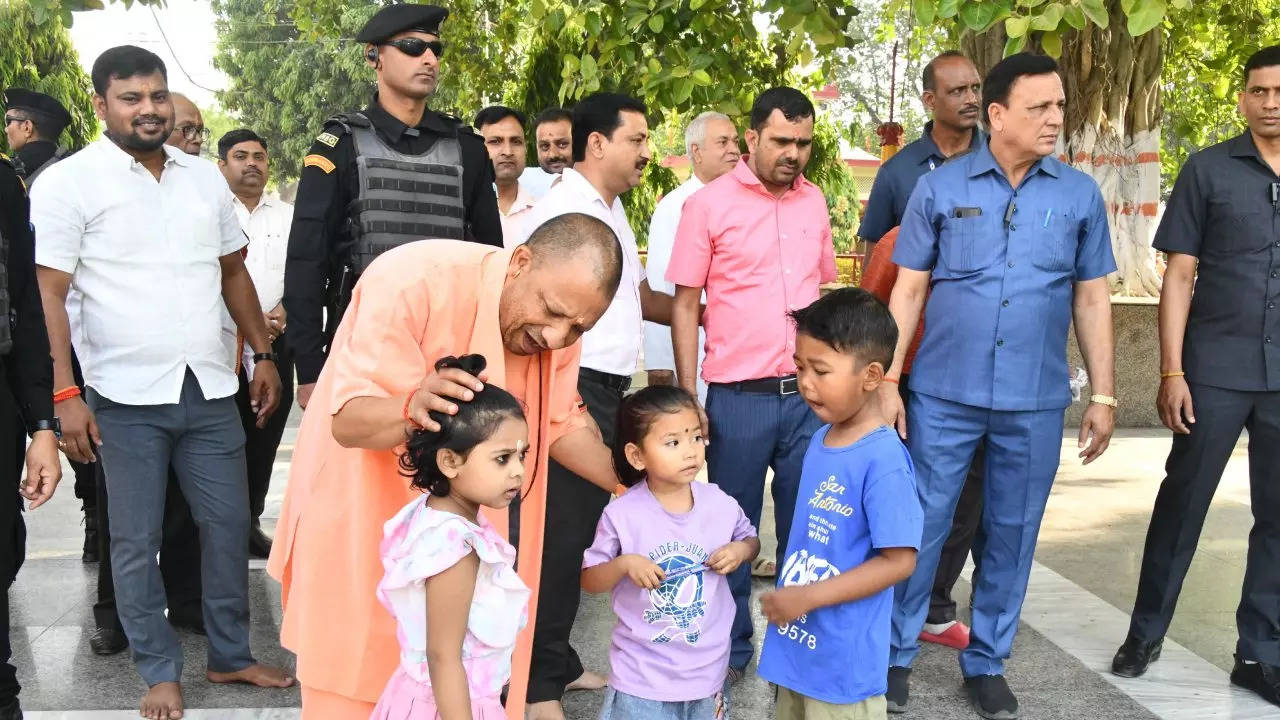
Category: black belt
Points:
column 616, row 383
column 765, row 386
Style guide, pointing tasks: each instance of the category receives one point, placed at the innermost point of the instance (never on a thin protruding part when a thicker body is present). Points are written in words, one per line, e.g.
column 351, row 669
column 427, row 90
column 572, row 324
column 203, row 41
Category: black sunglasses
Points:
column 415, row 47
column 13, row 119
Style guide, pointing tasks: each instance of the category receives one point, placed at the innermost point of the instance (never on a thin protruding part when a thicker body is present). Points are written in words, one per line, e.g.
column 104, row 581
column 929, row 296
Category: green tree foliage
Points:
column 828, row 171
column 1208, row 45
column 886, row 48
column 283, row 85
column 532, row 54
column 1045, row 22
column 38, row 55
column 218, row 122
column 60, row 10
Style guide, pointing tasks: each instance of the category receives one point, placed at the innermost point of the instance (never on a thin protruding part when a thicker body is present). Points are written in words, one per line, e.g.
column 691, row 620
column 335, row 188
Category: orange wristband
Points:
column 891, row 380
column 65, row 394
column 405, row 411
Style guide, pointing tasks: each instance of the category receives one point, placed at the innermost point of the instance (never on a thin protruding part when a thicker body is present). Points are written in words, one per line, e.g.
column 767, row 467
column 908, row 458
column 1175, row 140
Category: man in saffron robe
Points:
column 524, row 310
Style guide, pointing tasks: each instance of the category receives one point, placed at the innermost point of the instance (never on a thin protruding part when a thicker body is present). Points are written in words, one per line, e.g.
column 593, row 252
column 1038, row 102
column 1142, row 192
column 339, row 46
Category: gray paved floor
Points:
column 1092, row 537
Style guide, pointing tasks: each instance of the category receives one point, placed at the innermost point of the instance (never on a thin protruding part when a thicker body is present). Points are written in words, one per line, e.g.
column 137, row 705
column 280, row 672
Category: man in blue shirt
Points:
column 952, row 91
column 952, row 94
column 1014, row 245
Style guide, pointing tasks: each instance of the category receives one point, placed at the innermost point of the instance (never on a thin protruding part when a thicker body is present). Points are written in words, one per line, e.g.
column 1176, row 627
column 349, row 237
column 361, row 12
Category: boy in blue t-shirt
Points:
column 857, row 522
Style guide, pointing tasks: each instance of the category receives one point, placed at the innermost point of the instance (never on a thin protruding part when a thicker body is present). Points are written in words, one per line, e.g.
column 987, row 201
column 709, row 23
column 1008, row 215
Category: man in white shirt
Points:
column 148, row 237
column 503, row 131
column 180, row 539
column 610, row 152
column 553, row 141
column 245, row 163
column 711, row 143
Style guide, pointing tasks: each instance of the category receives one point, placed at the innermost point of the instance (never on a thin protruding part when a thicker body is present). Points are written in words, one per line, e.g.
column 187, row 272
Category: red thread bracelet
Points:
column 405, row 412
column 891, row 380
column 65, row 394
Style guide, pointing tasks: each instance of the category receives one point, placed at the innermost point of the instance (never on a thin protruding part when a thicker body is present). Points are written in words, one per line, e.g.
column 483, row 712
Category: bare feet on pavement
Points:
column 587, row 681
column 546, row 710
column 162, row 702
column 260, row 675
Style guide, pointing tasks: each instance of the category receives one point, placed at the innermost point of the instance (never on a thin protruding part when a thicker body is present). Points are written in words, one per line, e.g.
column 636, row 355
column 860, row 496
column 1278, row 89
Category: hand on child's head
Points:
column 453, row 381
column 477, row 454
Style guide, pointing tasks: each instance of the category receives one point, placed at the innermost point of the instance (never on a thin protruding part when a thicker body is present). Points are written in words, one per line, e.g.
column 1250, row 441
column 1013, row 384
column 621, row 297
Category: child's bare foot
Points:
column 162, row 702
column 547, row 710
column 260, row 675
column 587, row 681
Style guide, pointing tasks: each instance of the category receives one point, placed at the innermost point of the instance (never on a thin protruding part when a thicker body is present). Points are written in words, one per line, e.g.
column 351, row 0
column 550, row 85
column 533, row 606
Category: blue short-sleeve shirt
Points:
column 852, row 502
column 897, row 178
column 1004, row 264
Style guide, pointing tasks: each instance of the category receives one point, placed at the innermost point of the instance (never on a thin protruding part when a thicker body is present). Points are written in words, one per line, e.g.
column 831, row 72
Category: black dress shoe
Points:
column 899, row 689
column 189, row 620
column 1259, row 677
column 90, row 552
column 1135, row 656
column 991, row 697
column 11, row 710
column 259, row 543
column 107, row 641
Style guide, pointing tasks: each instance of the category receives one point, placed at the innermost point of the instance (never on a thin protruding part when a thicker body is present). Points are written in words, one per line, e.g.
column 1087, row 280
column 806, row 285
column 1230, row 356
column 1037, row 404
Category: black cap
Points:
column 19, row 99
column 395, row 19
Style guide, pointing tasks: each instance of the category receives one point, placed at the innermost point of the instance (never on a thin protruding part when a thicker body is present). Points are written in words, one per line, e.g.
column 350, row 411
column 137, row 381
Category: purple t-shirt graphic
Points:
column 672, row 643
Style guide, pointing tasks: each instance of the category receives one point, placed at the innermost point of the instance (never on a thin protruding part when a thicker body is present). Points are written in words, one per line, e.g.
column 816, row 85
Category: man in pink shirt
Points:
column 758, row 241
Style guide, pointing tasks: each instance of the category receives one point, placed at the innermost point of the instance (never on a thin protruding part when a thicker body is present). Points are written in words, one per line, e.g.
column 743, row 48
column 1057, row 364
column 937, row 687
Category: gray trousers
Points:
column 1193, row 469
column 204, row 442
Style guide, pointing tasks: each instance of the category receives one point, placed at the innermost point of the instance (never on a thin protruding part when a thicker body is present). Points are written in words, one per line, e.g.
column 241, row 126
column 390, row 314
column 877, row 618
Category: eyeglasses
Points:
column 415, row 47
column 13, row 119
column 194, row 132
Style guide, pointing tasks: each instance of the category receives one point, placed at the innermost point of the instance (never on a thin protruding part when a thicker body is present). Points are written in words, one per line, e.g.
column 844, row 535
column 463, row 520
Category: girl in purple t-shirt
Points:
column 663, row 549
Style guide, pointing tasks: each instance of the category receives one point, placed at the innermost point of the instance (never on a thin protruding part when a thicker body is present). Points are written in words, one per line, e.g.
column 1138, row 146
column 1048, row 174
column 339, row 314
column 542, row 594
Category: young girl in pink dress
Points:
column 450, row 580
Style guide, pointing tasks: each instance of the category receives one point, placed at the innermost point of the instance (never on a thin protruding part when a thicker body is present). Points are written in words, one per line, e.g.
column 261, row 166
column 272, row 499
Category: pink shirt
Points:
column 513, row 230
column 758, row 257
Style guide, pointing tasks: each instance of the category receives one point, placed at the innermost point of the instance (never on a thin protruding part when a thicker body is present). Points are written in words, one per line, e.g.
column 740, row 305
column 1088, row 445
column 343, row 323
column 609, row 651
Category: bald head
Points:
column 558, row 284
column 188, row 126
column 576, row 235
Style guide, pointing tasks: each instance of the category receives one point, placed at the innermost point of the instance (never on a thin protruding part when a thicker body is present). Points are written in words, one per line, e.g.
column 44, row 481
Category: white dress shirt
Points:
column 658, row 354
column 144, row 256
column 267, row 226
column 537, row 181
column 513, row 232
column 613, row 345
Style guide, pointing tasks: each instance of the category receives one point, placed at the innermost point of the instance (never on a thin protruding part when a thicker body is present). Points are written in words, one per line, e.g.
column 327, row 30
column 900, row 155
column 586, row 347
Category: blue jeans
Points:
column 1022, row 455
column 621, row 706
column 751, row 433
column 204, row 442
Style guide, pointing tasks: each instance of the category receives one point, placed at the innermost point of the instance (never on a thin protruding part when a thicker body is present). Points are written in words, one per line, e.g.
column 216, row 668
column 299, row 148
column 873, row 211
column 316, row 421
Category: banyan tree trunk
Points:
column 1112, row 132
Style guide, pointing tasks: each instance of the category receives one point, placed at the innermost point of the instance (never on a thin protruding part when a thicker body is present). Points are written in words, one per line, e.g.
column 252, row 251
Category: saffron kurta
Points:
column 414, row 305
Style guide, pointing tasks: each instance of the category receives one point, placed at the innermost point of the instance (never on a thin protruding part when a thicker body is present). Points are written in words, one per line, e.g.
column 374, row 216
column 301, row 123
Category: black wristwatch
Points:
column 263, row 357
column 55, row 425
